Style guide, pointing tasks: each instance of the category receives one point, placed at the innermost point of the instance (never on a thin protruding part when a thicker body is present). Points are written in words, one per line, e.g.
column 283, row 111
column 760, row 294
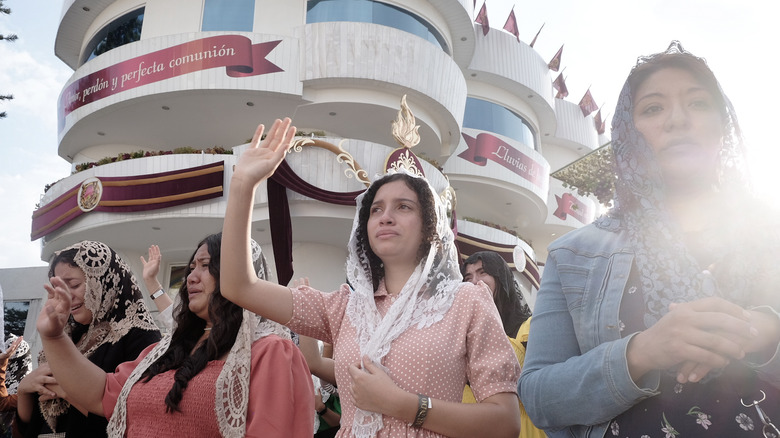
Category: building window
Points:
column 488, row 116
column 124, row 30
column 15, row 317
column 369, row 11
column 228, row 15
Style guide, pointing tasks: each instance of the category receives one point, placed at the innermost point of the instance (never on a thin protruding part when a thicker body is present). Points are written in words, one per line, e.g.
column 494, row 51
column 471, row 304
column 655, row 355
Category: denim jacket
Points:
column 575, row 378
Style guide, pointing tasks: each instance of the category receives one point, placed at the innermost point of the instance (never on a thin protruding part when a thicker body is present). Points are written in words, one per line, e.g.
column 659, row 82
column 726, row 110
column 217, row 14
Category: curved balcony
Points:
column 173, row 86
column 355, row 89
column 515, row 67
column 178, row 227
column 499, row 180
column 77, row 17
column 457, row 15
column 574, row 131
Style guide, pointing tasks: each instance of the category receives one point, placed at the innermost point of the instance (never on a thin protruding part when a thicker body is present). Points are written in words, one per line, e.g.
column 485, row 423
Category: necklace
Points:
column 207, row 329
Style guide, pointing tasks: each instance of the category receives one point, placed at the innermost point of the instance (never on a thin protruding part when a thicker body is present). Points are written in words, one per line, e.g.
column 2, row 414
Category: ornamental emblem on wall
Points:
column 89, row 194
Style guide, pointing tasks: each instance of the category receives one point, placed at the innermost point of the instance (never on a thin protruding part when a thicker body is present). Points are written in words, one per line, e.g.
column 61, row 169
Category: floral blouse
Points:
column 709, row 408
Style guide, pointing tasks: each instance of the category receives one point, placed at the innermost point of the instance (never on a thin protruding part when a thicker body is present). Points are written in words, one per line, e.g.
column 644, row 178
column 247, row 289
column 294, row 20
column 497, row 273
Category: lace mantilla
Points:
column 231, row 395
column 425, row 299
column 668, row 271
column 116, row 303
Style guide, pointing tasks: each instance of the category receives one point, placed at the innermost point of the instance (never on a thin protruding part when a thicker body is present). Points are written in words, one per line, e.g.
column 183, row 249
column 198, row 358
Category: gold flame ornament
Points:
column 405, row 133
column 405, row 127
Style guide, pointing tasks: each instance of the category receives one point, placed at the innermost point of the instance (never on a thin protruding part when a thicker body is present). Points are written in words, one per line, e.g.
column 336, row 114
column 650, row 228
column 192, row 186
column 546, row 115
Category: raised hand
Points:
column 152, row 267
column 260, row 159
column 56, row 310
column 11, row 349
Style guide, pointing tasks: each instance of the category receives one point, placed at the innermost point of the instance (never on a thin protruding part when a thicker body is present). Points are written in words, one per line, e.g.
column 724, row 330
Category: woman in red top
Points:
column 261, row 381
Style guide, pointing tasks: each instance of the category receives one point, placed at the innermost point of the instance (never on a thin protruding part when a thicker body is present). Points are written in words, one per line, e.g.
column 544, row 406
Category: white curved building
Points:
column 157, row 75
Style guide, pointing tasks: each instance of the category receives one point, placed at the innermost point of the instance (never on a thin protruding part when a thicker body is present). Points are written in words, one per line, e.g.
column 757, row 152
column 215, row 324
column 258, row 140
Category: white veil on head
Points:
column 425, row 298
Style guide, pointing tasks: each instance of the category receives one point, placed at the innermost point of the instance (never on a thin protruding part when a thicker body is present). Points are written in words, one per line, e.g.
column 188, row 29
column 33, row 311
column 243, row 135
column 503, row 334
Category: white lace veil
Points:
column 232, row 385
column 425, row 298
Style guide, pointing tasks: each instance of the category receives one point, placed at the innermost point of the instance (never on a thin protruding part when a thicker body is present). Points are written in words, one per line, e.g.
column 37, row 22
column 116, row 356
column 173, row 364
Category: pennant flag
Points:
column 600, row 124
column 555, row 63
column 482, row 19
column 511, row 24
column 533, row 41
column 587, row 104
column 560, row 86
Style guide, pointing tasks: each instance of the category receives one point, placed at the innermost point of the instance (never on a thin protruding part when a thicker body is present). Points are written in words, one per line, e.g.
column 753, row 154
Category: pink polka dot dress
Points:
column 467, row 345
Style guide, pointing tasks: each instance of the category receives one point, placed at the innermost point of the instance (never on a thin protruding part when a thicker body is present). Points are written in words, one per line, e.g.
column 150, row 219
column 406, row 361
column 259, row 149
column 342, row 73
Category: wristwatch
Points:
column 158, row 294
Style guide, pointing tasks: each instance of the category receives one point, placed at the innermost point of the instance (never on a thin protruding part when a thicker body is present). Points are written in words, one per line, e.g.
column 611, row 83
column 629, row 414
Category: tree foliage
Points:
column 10, row 38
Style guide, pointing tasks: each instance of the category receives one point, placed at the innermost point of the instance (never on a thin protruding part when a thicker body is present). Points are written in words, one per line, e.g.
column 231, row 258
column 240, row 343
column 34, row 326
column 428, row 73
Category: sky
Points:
column 601, row 40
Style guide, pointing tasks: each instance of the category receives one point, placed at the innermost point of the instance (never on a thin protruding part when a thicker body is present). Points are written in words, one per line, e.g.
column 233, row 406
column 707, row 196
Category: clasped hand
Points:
column 700, row 336
column 371, row 389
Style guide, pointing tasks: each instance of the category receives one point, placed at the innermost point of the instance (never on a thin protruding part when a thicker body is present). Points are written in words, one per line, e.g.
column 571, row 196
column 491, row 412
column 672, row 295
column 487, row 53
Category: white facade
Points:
column 339, row 79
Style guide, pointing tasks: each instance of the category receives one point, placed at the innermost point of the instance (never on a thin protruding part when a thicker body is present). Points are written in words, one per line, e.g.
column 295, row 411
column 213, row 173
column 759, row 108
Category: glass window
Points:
column 124, row 30
column 176, row 279
column 228, row 15
column 369, row 11
column 15, row 317
column 488, row 116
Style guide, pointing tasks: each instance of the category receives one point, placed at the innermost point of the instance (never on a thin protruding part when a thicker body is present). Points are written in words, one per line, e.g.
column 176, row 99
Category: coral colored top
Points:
column 467, row 344
column 281, row 402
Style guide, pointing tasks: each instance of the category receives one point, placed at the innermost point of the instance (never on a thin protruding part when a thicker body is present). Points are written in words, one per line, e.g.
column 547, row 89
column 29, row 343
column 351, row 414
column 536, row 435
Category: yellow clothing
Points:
column 527, row 428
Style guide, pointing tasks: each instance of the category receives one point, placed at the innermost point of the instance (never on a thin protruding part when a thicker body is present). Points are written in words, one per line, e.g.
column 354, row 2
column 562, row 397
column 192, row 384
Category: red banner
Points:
column 488, row 147
column 568, row 204
column 130, row 193
column 234, row 52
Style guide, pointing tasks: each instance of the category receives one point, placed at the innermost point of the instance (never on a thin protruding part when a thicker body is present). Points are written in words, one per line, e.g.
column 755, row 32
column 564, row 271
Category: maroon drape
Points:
column 279, row 213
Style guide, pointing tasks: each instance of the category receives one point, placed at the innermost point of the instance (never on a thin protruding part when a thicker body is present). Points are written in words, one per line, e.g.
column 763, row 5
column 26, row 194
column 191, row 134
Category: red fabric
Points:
column 560, row 85
column 533, row 41
column 281, row 402
column 587, row 104
column 511, row 24
column 555, row 62
column 482, row 18
column 279, row 217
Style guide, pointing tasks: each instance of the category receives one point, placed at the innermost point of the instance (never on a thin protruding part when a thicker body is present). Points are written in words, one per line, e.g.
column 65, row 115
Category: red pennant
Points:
column 482, row 19
column 587, row 104
column 555, row 63
column 511, row 24
column 560, row 86
column 533, row 41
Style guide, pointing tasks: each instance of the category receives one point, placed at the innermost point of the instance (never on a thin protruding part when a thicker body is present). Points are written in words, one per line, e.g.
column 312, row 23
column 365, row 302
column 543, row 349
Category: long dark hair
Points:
column 427, row 208
column 226, row 318
column 507, row 296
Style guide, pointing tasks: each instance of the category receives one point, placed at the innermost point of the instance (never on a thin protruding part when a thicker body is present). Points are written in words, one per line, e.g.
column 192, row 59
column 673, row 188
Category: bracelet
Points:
column 158, row 294
column 423, row 404
column 323, row 411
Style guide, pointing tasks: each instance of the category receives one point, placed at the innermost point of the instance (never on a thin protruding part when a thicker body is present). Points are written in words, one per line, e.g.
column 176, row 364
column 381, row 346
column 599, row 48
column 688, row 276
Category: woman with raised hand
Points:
column 660, row 318
column 221, row 372
column 408, row 333
column 105, row 324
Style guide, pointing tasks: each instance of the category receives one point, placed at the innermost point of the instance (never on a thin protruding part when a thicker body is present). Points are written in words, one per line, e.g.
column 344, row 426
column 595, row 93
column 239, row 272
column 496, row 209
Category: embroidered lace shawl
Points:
column 425, row 298
column 668, row 271
column 231, row 395
column 116, row 303
column 19, row 365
